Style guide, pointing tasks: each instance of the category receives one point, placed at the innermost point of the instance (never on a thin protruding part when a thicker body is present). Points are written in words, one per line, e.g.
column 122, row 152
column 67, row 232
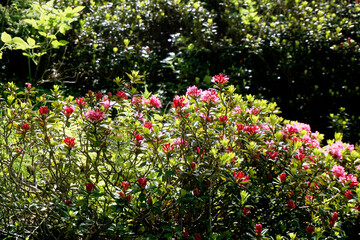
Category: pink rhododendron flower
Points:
column 338, row 171
column 69, row 141
column 80, row 102
column 308, row 198
column 193, row 92
column 68, row 110
column 258, row 229
column 95, row 115
column 137, row 101
column 337, row 148
column 106, row 104
column 128, row 198
column 209, row 96
column 220, row 79
column 295, row 127
column 142, row 182
column 180, row 141
column 349, row 178
column 179, row 102
column 28, row 85
column 206, row 117
column 237, row 110
column 252, row 111
column 167, row 147
column 154, row 102
column 44, row 110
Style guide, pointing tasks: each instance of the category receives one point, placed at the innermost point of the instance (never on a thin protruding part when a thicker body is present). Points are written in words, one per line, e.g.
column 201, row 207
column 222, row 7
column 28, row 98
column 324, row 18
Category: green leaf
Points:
column 78, row 9
column 6, row 38
column 31, row 41
column 20, row 44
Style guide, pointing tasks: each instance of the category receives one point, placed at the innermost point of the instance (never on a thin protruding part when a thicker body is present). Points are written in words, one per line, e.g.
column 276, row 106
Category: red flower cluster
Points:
column 291, row 204
column 244, row 180
column 282, row 177
column 220, row 79
column 223, row 119
column 121, row 94
column 68, row 110
column 80, row 102
column 125, row 186
column 167, row 147
column 310, row 229
column 193, row 166
column 333, row 219
column 179, row 102
column 69, row 141
column 89, row 186
column 258, row 229
column 44, row 110
column 25, row 127
column 142, row 182
column 138, row 138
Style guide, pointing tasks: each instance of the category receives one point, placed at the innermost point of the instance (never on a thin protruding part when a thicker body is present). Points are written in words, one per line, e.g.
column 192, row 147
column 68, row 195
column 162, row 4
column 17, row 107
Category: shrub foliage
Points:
column 216, row 165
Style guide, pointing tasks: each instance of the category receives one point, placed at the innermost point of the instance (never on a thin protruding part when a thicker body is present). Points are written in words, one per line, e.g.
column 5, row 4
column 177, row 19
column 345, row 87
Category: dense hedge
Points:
column 303, row 54
column 217, row 165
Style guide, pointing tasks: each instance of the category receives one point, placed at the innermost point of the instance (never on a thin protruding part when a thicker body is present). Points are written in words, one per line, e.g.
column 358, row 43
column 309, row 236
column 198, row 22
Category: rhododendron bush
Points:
column 215, row 165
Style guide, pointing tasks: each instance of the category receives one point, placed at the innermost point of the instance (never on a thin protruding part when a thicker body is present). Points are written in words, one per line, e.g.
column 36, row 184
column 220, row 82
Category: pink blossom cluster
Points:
column 339, row 172
column 154, row 101
column 209, row 96
column 106, row 104
column 251, row 129
column 193, row 92
column 336, row 149
column 179, row 102
column 220, row 79
column 68, row 110
column 95, row 115
column 290, row 129
column 180, row 141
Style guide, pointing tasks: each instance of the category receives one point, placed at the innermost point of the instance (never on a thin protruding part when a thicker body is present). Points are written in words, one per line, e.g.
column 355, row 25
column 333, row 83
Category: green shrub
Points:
column 216, row 165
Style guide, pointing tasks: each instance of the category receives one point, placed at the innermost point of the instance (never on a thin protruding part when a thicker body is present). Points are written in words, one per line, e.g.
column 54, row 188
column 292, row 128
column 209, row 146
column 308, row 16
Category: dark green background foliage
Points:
column 301, row 54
